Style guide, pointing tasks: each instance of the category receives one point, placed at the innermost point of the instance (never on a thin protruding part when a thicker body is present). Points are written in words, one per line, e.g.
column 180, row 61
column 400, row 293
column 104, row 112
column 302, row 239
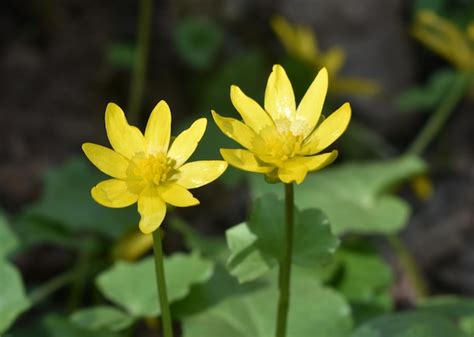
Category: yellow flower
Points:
column 146, row 168
column 301, row 43
column 282, row 140
column 446, row 39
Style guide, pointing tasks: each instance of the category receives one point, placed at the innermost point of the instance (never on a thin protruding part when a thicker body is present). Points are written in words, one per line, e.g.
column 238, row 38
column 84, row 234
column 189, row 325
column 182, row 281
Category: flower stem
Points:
column 432, row 127
column 141, row 59
column 409, row 265
column 161, row 283
column 285, row 264
column 440, row 116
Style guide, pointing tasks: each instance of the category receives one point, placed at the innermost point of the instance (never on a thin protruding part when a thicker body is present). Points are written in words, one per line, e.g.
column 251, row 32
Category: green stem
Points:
column 141, row 59
column 430, row 130
column 441, row 115
column 51, row 286
column 409, row 265
column 285, row 264
column 161, row 283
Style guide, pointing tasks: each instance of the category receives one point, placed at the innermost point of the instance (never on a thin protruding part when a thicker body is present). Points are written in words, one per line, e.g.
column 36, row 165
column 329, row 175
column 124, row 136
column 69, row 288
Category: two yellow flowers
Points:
column 281, row 140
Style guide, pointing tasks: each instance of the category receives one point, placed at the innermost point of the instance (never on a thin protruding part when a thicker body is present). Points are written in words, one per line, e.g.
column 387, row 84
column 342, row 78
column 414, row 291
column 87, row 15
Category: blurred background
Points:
column 61, row 62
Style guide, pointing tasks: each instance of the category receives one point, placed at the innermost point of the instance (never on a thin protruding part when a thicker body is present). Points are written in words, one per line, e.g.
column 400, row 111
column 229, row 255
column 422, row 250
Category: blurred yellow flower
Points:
column 301, row 43
column 282, row 140
column 422, row 186
column 146, row 168
column 446, row 39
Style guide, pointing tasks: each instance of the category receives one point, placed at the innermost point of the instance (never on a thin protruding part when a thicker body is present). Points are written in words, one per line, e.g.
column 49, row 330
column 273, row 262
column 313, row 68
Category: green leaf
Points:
column 256, row 249
column 13, row 300
column 449, row 306
column 354, row 195
column 133, row 287
column 314, row 311
column 428, row 96
column 212, row 247
column 246, row 261
column 197, row 41
column 67, row 204
column 102, row 318
column 409, row 324
column 8, row 240
column 365, row 280
column 467, row 325
column 55, row 325
column 206, row 295
column 365, row 276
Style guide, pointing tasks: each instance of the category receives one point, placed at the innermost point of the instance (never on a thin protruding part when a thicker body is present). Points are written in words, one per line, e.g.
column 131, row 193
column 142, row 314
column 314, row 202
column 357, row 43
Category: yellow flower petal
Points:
column 333, row 60
column 158, row 129
column 199, row 173
column 184, row 145
column 296, row 168
column 245, row 160
column 235, row 130
column 113, row 193
column 310, row 108
column 299, row 41
column 252, row 113
column 279, row 96
column 177, row 195
column 292, row 174
column 329, row 130
column 355, row 86
column 124, row 138
column 152, row 210
column 106, row 160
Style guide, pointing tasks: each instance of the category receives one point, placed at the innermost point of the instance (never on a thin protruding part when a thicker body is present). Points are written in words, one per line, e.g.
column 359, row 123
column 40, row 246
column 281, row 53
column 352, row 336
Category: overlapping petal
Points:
column 158, row 129
column 329, row 130
column 199, row 173
column 177, row 195
column 279, row 96
column 310, row 108
column 252, row 113
column 113, row 193
column 108, row 161
column 245, row 160
column 152, row 210
column 185, row 144
column 235, row 130
column 124, row 138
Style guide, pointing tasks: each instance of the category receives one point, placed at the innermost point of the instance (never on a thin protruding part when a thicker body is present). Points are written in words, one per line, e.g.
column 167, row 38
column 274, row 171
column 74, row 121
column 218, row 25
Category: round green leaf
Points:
column 354, row 195
column 13, row 300
column 133, row 287
column 8, row 240
column 410, row 324
column 257, row 246
column 314, row 311
column 102, row 318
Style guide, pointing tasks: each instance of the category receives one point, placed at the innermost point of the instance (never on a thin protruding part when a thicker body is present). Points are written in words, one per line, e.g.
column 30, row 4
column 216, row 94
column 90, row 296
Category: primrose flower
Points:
column 301, row 43
column 283, row 141
column 446, row 39
column 148, row 170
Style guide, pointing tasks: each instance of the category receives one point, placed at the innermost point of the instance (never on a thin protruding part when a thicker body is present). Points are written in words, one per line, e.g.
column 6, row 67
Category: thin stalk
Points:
column 141, row 59
column 440, row 116
column 45, row 290
column 284, row 279
column 161, row 283
column 430, row 130
column 409, row 265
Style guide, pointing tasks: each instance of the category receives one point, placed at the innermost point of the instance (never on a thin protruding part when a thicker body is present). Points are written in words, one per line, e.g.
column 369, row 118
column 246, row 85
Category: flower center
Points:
column 153, row 169
column 278, row 144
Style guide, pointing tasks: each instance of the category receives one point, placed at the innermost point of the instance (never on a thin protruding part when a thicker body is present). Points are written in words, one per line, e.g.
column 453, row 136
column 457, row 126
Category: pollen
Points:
column 153, row 169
